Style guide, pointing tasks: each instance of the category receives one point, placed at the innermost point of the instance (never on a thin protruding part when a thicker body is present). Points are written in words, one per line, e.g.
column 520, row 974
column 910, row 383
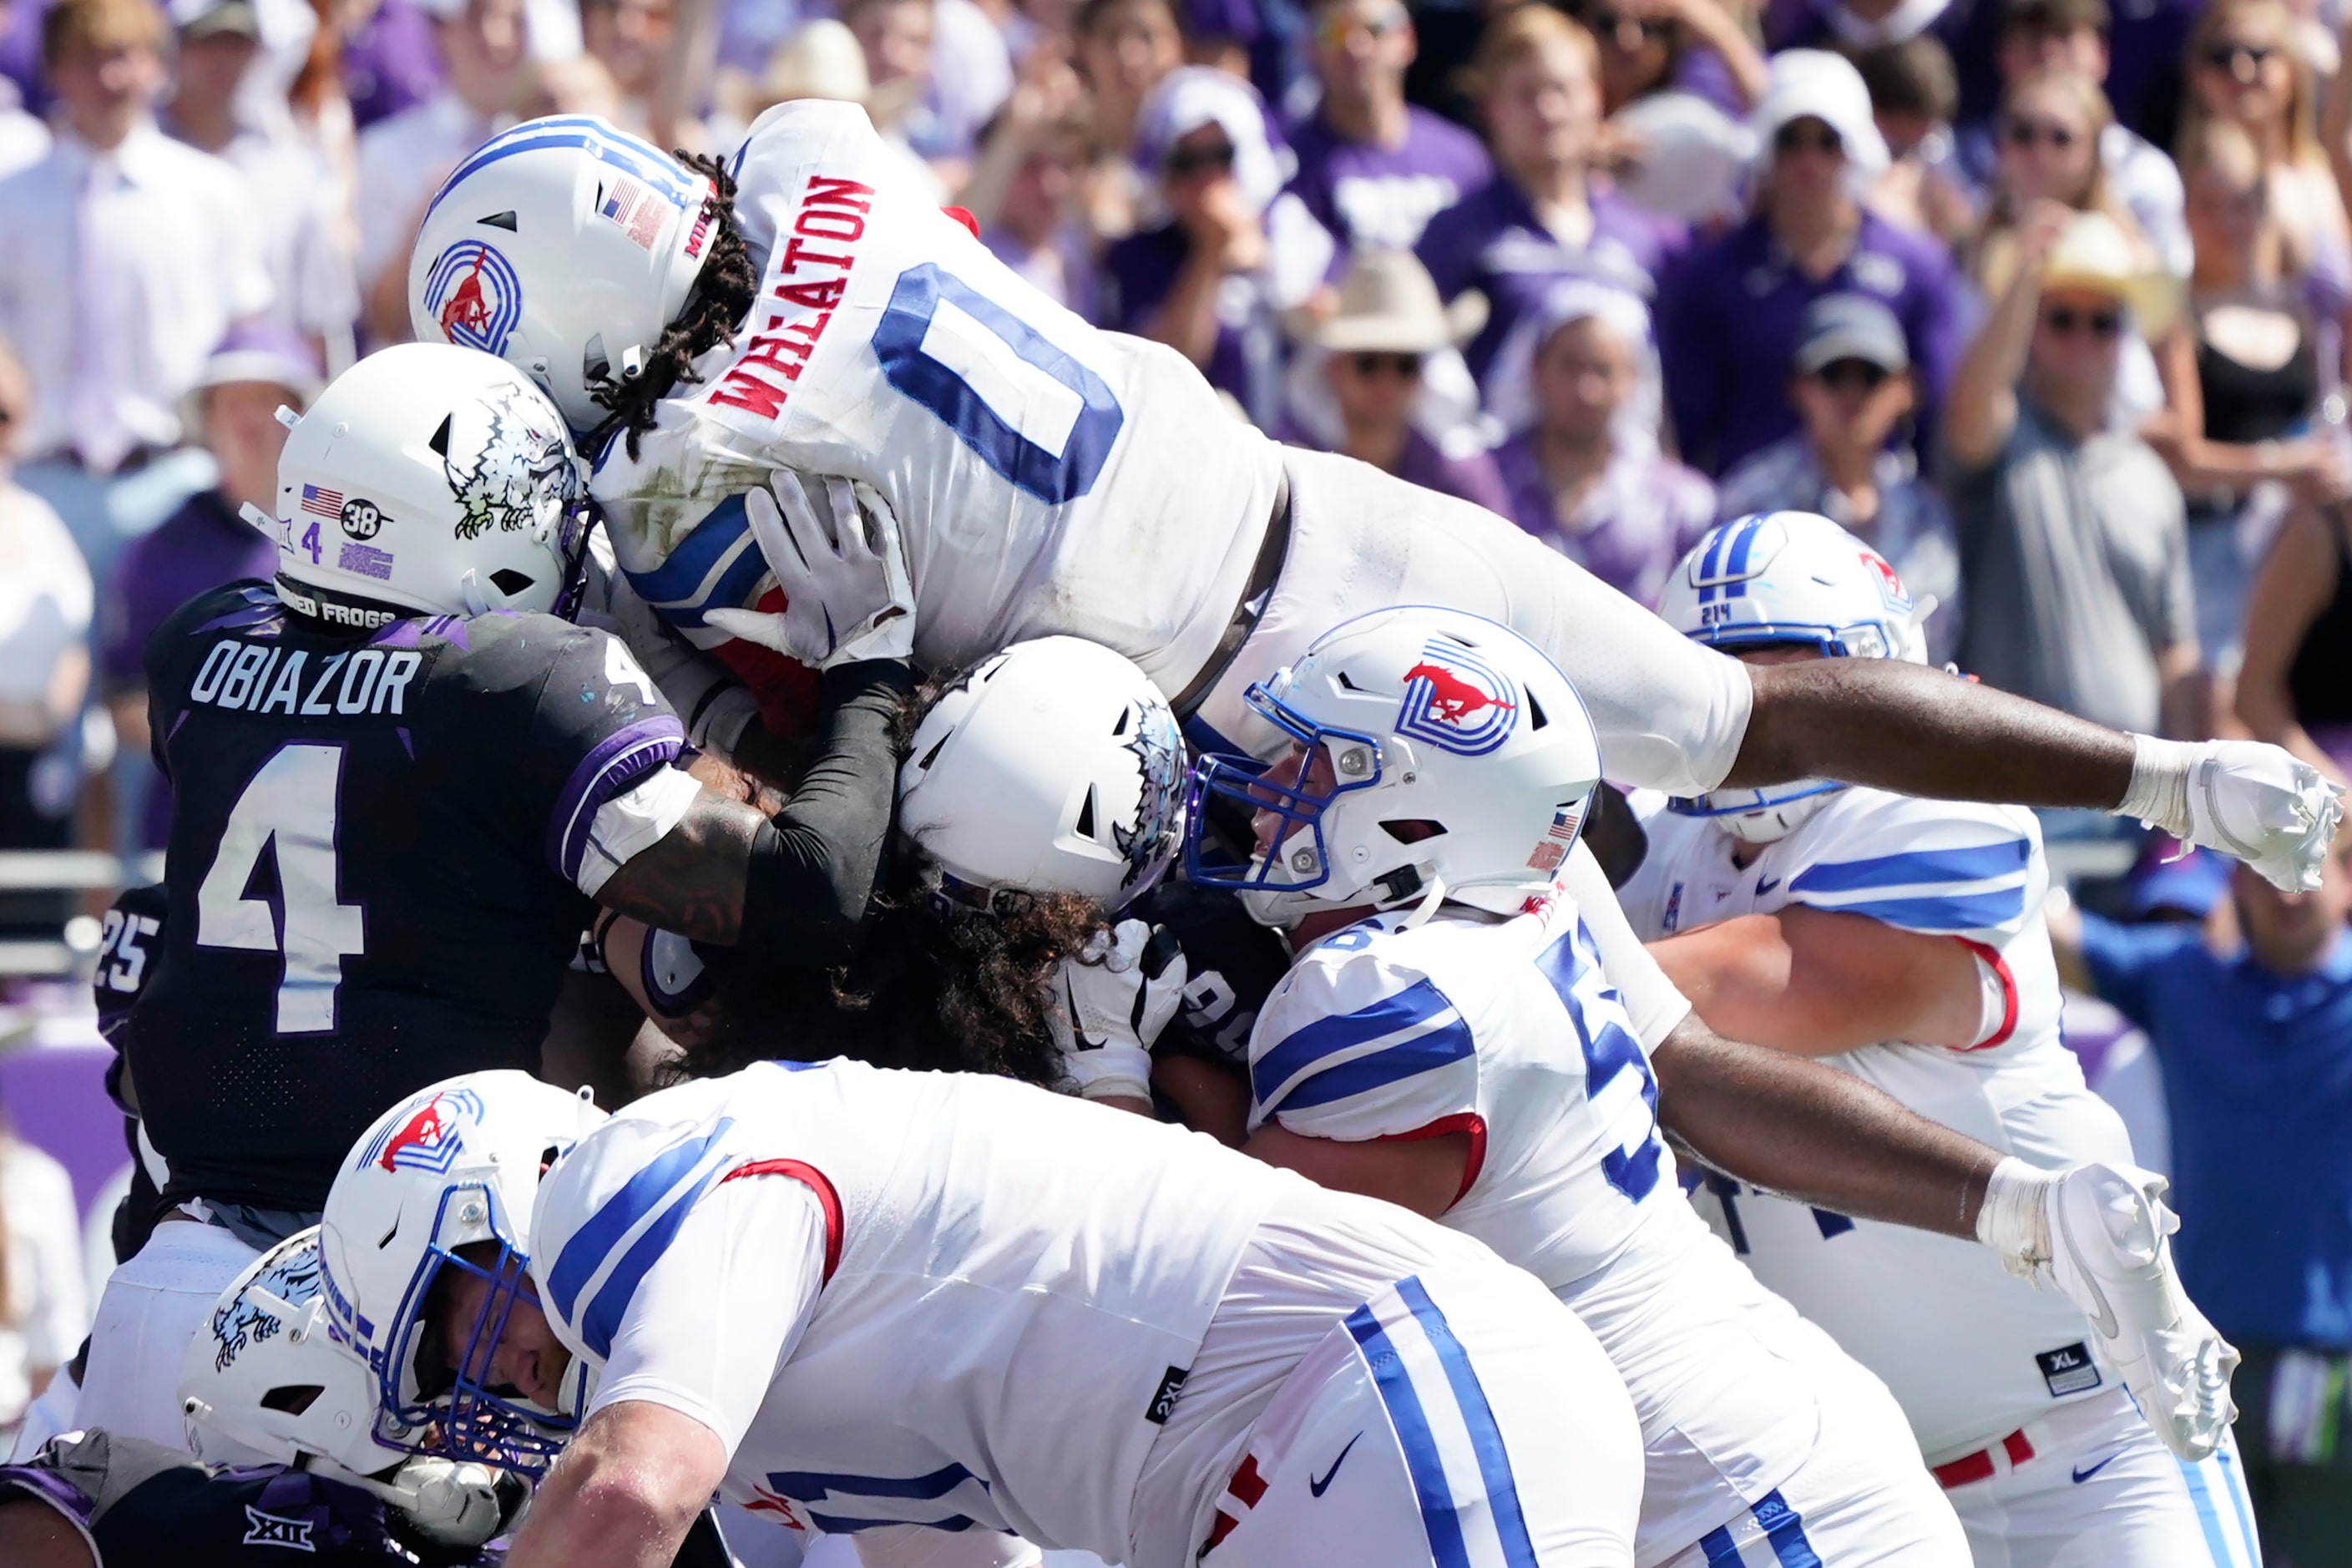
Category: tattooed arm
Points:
column 795, row 887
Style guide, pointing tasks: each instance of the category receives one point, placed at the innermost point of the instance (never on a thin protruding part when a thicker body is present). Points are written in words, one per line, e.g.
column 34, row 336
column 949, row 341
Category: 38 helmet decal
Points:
column 1454, row 700
column 474, row 296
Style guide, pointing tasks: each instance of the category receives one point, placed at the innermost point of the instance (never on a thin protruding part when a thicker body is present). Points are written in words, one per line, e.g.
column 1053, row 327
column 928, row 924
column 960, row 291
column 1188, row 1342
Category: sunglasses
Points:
column 1186, row 161
column 1609, row 27
column 1797, row 137
column 1334, row 30
column 2022, row 133
column 1851, row 374
column 1369, row 363
column 2066, row 321
column 2225, row 56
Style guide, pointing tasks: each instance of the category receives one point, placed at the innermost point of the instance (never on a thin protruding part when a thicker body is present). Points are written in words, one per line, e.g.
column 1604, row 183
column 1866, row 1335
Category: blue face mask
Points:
column 1285, row 789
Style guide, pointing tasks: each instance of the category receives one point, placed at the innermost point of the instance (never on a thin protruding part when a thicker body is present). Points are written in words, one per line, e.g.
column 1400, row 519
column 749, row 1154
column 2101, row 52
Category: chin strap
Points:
column 1431, row 897
column 470, row 594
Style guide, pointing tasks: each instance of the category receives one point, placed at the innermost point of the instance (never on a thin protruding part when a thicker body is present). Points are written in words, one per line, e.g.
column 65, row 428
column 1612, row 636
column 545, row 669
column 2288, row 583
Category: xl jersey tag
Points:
column 1163, row 1400
column 2068, row 1369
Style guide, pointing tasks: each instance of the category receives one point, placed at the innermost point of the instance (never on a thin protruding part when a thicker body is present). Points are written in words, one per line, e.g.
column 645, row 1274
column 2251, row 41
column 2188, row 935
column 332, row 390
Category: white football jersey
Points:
column 1508, row 1030
column 1969, row 1351
column 1047, row 477
column 988, row 1323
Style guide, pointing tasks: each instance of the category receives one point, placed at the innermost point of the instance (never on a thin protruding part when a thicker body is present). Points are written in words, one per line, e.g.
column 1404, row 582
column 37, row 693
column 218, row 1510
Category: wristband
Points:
column 2015, row 1218
column 2158, row 791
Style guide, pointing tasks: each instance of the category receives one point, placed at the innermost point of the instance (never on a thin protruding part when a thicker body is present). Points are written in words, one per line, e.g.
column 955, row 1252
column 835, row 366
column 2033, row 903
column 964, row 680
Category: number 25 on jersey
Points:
column 288, row 810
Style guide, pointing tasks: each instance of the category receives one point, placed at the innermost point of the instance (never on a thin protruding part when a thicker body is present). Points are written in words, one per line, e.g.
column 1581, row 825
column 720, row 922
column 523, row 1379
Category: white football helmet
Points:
column 1055, row 766
column 1787, row 579
column 428, row 480
column 270, row 1379
column 1439, row 753
column 564, row 247
column 452, row 1165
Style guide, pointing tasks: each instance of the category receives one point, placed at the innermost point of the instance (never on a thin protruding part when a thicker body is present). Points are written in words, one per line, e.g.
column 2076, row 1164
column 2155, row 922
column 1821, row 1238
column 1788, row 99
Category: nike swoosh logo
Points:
column 2082, row 1476
column 1319, row 1487
column 1766, row 884
column 2104, row 1320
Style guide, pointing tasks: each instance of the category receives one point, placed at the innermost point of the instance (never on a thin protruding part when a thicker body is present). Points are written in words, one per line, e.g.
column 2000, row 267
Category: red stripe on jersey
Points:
column 1219, row 1531
column 1468, row 1121
column 2008, row 994
column 1247, row 1484
column 963, row 215
column 815, row 1181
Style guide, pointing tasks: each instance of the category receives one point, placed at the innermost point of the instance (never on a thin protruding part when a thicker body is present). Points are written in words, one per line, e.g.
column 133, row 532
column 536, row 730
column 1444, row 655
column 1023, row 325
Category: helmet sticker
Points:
column 426, row 1139
column 513, row 472
column 367, row 560
column 362, row 518
column 1158, row 748
column 245, row 1321
column 323, row 503
column 1890, row 586
column 1456, row 703
column 635, row 210
column 473, row 292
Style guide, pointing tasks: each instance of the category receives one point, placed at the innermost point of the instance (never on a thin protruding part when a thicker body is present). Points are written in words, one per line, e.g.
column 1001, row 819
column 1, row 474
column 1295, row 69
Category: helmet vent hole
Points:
column 1412, row 829
column 933, row 754
column 1124, row 715
column 1087, row 815
column 510, row 581
column 1346, row 684
column 505, row 220
column 440, row 442
column 293, row 1398
column 1536, row 719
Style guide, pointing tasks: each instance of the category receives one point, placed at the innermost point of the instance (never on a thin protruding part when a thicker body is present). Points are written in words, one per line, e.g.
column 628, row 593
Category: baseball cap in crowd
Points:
column 1850, row 326
column 263, row 352
column 199, row 19
column 2094, row 256
column 2171, row 883
column 1388, row 304
column 1814, row 84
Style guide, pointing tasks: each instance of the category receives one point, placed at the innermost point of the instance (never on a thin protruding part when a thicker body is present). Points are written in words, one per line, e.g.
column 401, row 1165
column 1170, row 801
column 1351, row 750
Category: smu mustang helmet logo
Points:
column 474, row 294
column 427, row 1137
column 1456, row 703
column 1890, row 586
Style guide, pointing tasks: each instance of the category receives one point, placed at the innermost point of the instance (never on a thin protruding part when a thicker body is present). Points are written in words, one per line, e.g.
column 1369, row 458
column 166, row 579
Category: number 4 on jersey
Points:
column 289, row 808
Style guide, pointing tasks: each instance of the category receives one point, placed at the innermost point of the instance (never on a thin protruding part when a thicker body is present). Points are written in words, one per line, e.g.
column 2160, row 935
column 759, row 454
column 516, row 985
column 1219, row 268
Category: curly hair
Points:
column 722, row 300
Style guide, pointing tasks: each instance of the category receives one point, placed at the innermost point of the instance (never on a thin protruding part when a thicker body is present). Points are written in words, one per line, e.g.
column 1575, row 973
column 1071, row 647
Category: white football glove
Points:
column 453, row 1504
column 1108, row 1009
column 2099, row 1235
column 2244, row 798
column 836, row 550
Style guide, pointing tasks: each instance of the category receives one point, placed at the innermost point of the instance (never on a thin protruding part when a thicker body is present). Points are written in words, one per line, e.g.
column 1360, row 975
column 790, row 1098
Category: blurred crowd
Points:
column 2045, row 300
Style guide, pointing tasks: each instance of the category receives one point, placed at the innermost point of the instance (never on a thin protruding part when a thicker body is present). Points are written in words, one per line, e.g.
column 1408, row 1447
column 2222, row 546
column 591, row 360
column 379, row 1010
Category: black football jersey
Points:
column 374, row 842
column 1233, row 964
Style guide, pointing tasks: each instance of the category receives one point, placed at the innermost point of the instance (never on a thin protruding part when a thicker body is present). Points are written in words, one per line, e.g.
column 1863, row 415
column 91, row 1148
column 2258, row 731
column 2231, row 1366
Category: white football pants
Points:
column 155, row 1303
column 1460, row 1418
column 2100, row 1491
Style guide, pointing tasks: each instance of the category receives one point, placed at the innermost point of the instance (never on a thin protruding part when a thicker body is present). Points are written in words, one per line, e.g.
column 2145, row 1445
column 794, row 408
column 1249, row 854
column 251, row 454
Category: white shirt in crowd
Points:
column 47, row 1306
column 23, row 137
column 295, row 207
column 122, row 272
column 45, row 604
column 2148, row 185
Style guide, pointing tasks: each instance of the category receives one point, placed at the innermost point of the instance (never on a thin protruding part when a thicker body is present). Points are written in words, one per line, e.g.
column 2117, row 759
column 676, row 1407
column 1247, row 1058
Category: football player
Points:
column 1902, row 940
column 870, row 1302
column 1466, row 1036
column 403, row 781
column 809, row 307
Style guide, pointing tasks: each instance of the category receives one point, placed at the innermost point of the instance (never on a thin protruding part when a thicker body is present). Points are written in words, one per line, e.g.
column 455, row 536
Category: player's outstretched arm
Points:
column 1916, row 730
column 794, row 889
column 1815, row 982
column 1820, row 1135
column 625, row 1494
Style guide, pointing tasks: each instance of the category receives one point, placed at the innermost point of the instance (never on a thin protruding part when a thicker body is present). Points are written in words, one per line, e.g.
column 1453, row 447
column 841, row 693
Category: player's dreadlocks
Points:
column 722, row 297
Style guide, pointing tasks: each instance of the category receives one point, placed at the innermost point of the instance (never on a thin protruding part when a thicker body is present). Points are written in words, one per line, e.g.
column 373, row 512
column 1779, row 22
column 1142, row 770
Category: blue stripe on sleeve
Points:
column 580, row 1257
column 678, row 581
column 1784, row 1528
column 1416, row 1004
column 1959, row 912
column 1423, row 1053
column 1422, row 1460
column 1722, row 1551
column 1913, row 867
column 2215, row 1543
column 1478, row 1416
column 602, row 1320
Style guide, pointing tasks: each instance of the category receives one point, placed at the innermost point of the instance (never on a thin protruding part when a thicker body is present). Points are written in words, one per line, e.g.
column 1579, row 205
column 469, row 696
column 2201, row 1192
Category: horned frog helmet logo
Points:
column 508, row 463
column 245, row 1320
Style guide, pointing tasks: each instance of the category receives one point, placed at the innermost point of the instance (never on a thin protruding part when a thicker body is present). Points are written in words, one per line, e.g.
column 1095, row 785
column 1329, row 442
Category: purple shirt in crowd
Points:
column 1138, row 273
column 1727, row 324
column 1642, row 517
column 391, row 63
column 200, row 546
column 1492, row 240
column 1375, row 196
column 1474, row 479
